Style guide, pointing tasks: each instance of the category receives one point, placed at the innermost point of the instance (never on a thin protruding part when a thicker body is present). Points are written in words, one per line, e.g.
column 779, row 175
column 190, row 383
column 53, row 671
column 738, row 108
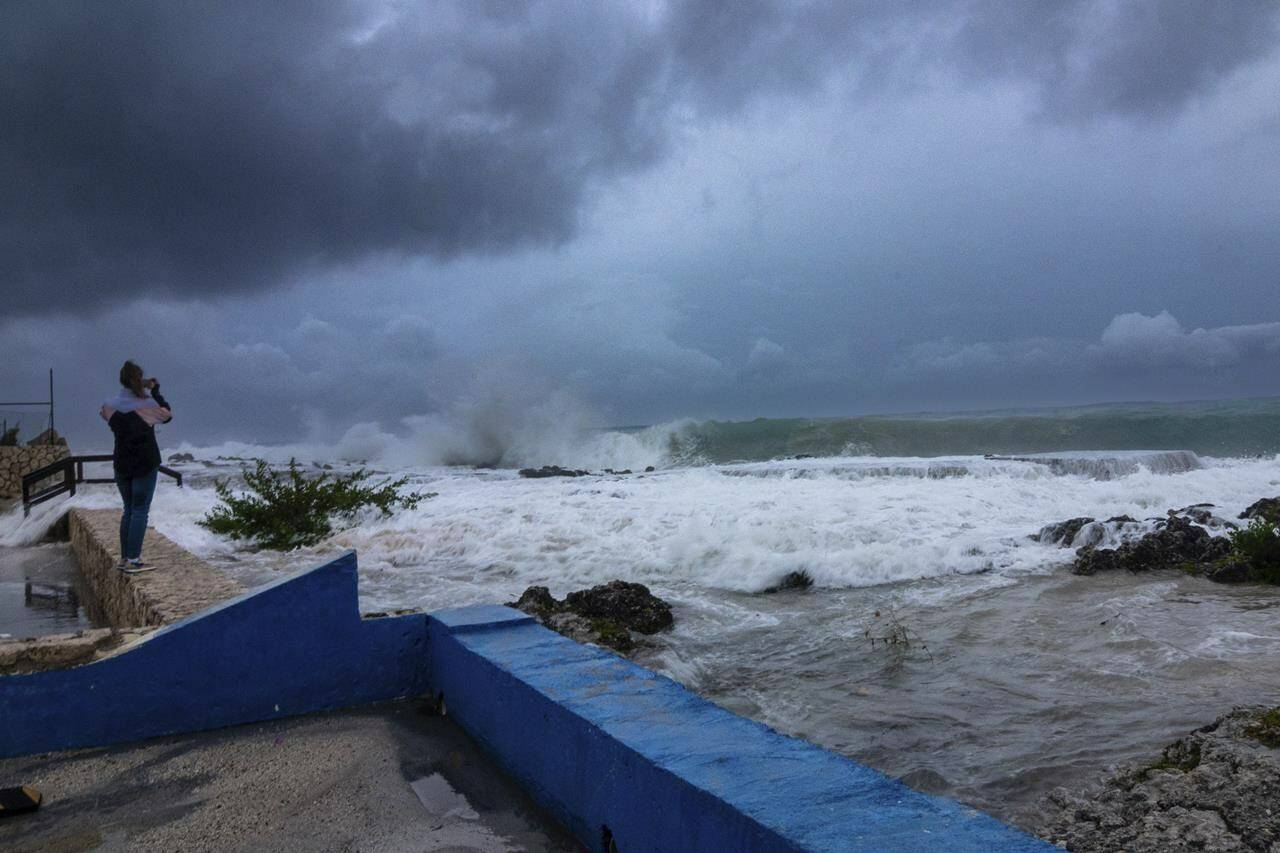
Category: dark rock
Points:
column 1229, row 570
column 1091, row 560
column 649, row 469
column 181, row 457
column 537, row 601
column 1214, row 789
column 1122, row 519
column 1200, row 514
column 1063, row 533
column 604, row 615
column 1217, row 548
column 629, row 604
column 1176, row 543
column 1268, row 509
column 619, row 473
column 551, row 471
column 601, row 632
column 791, row 580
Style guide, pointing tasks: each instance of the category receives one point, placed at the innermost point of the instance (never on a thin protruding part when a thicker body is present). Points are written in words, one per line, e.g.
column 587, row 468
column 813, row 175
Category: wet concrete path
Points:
column 384, row 778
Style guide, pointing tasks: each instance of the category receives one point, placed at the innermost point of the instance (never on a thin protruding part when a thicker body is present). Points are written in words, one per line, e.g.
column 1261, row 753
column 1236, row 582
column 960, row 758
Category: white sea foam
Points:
column 489, row 534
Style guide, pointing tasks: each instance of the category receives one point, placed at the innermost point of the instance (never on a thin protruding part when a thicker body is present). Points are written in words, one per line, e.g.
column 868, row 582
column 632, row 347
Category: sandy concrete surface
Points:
column 386, row 778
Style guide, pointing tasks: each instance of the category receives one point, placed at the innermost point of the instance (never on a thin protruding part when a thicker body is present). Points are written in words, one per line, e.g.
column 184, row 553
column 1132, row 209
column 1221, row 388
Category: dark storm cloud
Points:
column 196, row 149
column 1092, row 56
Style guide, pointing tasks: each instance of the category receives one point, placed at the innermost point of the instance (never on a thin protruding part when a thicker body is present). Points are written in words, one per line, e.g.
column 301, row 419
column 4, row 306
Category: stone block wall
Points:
column 182, row 584
column 17, row 461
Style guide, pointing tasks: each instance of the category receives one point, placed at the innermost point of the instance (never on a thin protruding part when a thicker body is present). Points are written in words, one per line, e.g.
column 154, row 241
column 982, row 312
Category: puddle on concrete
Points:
column 441, row 799
column 39, row 592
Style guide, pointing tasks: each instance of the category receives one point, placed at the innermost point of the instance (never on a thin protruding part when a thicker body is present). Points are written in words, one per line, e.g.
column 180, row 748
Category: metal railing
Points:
column 72, row 470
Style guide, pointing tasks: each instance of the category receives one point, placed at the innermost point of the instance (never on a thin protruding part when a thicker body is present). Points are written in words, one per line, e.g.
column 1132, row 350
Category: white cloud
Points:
column 765, row 354
column 1161, row 341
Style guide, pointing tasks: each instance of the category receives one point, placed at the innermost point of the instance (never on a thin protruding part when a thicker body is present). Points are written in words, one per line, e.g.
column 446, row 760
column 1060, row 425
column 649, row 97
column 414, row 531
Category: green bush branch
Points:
column 1259, row 543
column 283, row 510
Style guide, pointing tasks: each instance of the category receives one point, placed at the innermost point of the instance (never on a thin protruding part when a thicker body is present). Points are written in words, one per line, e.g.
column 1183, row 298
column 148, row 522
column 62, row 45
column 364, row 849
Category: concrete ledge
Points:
column 53, row 650
column 620, row 753
column 181, row 585
column 292, row 647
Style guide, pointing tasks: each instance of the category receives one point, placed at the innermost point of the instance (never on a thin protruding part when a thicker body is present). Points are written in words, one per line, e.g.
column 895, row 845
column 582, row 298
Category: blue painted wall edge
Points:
column 295, row 646
column 617, row 751
column 610, row 748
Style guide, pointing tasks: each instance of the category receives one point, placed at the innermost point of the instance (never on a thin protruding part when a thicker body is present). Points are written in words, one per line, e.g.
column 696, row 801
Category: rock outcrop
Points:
column 1216, row 789
column 628, row 604
column 605, row 615
column 1268, row 509
column 1063, row 533
column 791, row 580
column 551, row 471
column 1176, row 543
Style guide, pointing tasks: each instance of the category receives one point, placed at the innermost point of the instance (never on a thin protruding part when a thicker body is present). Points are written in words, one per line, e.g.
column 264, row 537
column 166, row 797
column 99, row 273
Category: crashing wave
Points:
column 1107, row 465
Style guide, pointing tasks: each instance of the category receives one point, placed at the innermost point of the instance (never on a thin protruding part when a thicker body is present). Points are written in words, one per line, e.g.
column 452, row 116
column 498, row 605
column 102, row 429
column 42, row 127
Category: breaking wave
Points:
column 555, row 430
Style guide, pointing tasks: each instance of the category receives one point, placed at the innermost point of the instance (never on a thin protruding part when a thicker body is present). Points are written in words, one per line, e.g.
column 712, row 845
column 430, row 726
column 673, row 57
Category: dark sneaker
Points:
column 134, row 567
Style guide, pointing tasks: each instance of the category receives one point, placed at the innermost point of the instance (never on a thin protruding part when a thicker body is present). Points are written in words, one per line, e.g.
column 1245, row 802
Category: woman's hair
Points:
column 131, row 378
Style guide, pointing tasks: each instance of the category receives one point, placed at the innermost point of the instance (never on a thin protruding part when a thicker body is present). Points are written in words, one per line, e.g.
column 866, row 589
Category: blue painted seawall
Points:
column 604, row 743
column 293, row 647
column 600, row 742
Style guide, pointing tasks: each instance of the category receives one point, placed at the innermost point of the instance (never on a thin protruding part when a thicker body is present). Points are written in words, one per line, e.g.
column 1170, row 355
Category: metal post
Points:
column 51, row 405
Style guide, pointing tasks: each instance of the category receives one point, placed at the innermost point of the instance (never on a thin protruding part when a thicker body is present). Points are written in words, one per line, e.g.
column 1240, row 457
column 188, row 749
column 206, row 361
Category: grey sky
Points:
column 303, row 216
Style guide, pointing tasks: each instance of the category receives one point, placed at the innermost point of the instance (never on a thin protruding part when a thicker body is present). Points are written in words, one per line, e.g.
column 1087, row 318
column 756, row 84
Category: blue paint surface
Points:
column 600, row 741
column 295, row 646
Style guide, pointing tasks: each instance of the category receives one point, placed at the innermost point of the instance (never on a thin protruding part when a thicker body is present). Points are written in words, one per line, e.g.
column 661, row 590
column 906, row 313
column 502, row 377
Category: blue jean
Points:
column 136, row 493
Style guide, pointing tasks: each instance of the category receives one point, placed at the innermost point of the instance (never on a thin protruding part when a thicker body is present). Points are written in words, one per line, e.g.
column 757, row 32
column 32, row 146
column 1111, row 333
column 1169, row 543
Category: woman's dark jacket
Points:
column 133, row 423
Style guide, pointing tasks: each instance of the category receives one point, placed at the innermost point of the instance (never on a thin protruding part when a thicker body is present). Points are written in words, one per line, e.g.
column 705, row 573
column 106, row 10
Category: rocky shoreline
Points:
column 1192, row 539
column 1214, row 789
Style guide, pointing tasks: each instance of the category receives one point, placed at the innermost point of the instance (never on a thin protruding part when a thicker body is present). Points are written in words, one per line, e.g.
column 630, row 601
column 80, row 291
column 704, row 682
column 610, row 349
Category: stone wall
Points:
column 16, row 461
column 129, row 606
column 182, row 583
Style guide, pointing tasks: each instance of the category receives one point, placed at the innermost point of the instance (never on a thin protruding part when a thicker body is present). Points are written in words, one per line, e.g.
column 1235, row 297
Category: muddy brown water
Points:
column 1004, row 692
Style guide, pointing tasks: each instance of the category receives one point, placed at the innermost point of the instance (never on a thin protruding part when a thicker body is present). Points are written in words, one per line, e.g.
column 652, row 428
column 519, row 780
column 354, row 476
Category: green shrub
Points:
column 1259, row 543
column 287, row 509
column 9, row 438
column 1266, row 728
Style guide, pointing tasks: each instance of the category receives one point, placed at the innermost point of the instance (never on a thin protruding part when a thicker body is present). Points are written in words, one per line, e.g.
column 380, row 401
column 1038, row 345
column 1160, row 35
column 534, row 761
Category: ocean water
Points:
column 1019, row 676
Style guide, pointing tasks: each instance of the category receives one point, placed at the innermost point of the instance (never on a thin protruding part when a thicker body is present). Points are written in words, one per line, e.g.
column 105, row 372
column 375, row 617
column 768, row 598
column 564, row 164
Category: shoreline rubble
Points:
column 1216, row 788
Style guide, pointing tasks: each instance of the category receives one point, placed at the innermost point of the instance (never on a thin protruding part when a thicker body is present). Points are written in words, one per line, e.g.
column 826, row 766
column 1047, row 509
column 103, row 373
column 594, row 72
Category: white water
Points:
column 847, row 522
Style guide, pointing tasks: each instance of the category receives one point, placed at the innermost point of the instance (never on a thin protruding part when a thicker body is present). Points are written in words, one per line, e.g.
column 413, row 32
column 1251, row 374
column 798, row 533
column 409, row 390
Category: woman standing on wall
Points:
column 132, row 415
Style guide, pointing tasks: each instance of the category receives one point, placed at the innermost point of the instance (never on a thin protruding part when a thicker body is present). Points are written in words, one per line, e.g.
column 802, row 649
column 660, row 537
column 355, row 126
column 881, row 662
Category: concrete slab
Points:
column 384, row 778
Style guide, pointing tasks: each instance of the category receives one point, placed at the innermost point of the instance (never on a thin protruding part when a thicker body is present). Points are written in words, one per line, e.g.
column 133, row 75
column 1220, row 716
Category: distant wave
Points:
column 1239, row 428
column 553, row 429
column 1097, row 465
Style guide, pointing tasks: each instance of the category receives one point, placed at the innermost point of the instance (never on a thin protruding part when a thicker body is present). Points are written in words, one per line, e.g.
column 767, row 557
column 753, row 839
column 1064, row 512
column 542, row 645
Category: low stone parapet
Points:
column 180, row 585
column 128, row 606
